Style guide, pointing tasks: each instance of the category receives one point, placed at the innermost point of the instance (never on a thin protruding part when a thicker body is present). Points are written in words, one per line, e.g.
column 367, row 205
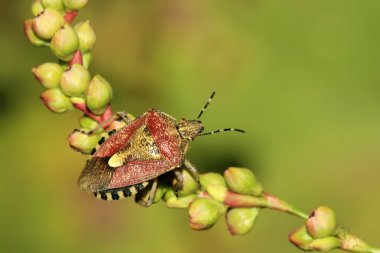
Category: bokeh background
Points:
column 301, row 77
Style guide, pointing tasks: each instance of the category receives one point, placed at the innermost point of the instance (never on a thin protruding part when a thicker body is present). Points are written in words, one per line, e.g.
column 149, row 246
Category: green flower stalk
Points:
column 238, row 194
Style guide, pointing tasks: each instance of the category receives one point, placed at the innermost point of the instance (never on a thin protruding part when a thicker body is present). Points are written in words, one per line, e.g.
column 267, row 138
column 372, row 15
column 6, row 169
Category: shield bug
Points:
column 134, row 156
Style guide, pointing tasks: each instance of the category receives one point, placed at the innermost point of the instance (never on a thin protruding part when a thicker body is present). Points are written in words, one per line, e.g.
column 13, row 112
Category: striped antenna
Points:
column 206, row 105
column 224, row 130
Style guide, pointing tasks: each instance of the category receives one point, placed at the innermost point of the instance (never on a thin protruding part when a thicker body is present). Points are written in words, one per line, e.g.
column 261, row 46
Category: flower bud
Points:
column 55, row 4
column 74, row 81
column 56, row 101
column 215, row 185
column 75, row 4
column 47, row 23
column 321, row 222
column 242, row 181
column 241, row 220
column 325, row 244
column 32, row 37
column 189, row 185
column 88, row 123
column 98, row 95
column 173, row 202
column 86, row 35
column 64, row 43
column 37, row 7
column 301, row 238
column 160, row 192
column 83, row 143
column 86, row 58
column 48, row 74
column 204, row 213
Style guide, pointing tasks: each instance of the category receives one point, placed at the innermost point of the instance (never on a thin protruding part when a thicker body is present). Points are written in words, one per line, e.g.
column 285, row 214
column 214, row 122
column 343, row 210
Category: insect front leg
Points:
column 194, row 172
column 119, row 116
column 179, row 181
column 140, row 197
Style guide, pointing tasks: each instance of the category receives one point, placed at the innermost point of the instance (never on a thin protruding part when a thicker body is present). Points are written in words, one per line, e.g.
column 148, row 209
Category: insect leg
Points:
column 120, row 116
column 124, row 117
column 191, row 168
column 140, row 198
column 179, row 181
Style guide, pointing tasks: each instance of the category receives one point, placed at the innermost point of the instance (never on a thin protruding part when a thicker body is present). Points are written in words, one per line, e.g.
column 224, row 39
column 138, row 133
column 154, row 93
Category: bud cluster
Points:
column 68, row 82
column 319, row 232
column 207, row 204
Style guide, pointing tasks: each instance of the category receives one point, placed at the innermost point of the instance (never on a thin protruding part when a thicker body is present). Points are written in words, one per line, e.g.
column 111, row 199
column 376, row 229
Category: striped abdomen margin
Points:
column 120, row 193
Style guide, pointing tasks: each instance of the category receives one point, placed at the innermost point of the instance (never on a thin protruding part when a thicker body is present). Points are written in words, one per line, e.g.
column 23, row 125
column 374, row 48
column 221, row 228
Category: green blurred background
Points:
column 301, row 77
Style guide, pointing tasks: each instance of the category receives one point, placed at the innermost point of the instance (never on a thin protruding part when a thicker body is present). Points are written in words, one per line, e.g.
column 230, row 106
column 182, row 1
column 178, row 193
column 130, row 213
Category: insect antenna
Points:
column 206, row 105
column 224, row 130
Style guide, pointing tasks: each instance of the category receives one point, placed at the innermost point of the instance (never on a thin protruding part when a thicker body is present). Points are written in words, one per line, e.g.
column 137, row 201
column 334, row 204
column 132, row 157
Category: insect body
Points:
column 147, row 147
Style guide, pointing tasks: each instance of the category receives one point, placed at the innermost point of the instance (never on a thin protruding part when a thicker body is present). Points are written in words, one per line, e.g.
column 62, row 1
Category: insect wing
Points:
column 137, row 172
column 164, row 131
column 118, row 140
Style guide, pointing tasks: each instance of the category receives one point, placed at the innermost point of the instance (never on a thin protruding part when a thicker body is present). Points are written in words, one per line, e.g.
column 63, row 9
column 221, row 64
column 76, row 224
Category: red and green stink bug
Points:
column 137, row 154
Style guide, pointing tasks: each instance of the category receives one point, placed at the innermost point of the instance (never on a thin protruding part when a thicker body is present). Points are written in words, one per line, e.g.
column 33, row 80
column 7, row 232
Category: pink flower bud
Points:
column 321, row 222
column 56, row 101
column 37, row 7
column 86, row 35
column 55, row 4
column 74, row 81
column 204, row 213
column 301, row 238
column 83, row 143
column 240, row 221
column 75, row 4
column 32, row 37
column 48, row 74
column 47, row 23
column 98, row 95
column 242, row 181
column 64, row 43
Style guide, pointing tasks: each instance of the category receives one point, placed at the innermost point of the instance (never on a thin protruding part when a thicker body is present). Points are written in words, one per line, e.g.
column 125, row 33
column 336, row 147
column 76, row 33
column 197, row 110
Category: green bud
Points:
column 242, row 181
column 37, row 7
column 117, row 125
column 189, row 184
column 75, row 4
column 86, row 59
column 56, row 101
column 47, row 23
column 160, row 192
column 215, row 185
column 301, row 238
column 55, row 4
column 241, row 220
column 48, row 74
column 211, row 179
column 82, row 142
column 87, row 122
column 173, row 202
column 325, row 244
column 86, row 35
column 64, row 43
column 321, row 222
column 98, row 95
column 32, row 37
column 204, row 213
column 74, row 81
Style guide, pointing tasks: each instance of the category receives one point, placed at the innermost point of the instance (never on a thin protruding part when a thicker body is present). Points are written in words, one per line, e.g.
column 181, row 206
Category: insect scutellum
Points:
column 189, row 129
